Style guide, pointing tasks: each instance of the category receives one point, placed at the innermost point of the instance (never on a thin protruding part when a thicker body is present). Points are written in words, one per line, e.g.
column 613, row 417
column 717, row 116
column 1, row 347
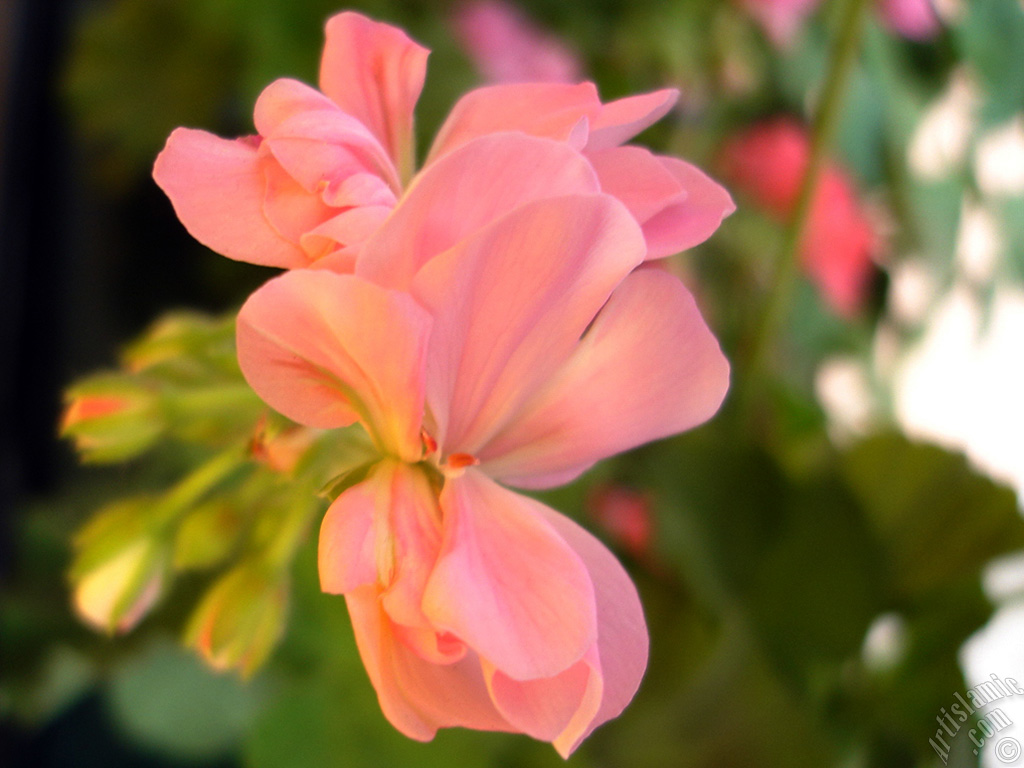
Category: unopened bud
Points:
column 241, row 618
column 186, row 344
column 207, row 535
column 280, row 449
column 111, row 418
column 120, row 570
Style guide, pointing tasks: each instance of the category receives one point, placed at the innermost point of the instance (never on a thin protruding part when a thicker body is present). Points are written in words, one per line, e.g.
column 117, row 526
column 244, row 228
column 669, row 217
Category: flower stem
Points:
column 784, row 278
column 197, row 485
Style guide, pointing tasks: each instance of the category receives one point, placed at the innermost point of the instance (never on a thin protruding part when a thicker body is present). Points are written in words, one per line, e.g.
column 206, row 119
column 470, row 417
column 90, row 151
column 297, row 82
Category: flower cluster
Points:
column 490, row 322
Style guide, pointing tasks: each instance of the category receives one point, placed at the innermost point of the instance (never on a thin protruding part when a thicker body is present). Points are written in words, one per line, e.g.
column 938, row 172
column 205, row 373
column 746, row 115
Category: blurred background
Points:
column 825, row 567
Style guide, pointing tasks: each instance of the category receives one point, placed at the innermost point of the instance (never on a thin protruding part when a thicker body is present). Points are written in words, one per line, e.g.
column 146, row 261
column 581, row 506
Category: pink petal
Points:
column 619, row 121
column 621, row 630
column 315, row 141
column 414, row 538
column 362, row 189
column 418, row 697
column 549, row 110
column 677, row 206
column 466, row 190
column 555, row 709
column 649, row 367
column 327, row 350
column 290, row 209
column 510, row 303
column 284, row 98
column 348, row 230
column 346, row 548
column 506, row 584
column 691, row 221
column 375, row 72
column 218, row 189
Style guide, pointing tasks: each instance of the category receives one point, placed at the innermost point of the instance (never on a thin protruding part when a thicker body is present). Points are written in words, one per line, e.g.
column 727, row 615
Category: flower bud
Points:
column 186, row 345
column 207, row 535
column 120, row 569
column 280, row 449
column 241, row 618
column 111, row 418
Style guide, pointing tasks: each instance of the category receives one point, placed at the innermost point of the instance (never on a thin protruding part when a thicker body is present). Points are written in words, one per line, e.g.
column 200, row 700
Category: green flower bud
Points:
column 112, row 418
column 241, row 618
column 207, row 535
column 120, row 569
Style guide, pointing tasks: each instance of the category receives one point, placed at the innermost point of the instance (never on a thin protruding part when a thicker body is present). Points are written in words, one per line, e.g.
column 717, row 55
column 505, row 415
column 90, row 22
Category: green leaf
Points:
column 938, row 519
column 165, row 699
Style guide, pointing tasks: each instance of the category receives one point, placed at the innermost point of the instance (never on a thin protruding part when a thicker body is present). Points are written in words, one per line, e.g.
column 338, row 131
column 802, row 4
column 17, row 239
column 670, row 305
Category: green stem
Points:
column 784, row 279
column 195, row 486
column 197, row 402
column 295, row 524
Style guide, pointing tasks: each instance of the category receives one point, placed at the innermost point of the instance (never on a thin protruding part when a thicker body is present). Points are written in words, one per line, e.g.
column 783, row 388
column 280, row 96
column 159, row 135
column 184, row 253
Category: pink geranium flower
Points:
column 518, row 352
column 768, row 162
column 327, row 168
column 506, row 47
column 914, row 19
column 783, row 19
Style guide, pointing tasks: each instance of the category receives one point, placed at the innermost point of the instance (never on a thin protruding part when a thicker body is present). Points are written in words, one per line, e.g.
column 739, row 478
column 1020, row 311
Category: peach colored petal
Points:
column 506, row 584
column 218, row 188
column 348, row 230
column 549, row 110
column 347, row 536
column 466, row 190
column 418, row 697
column 691, row 221
column 431, row 645
column 510, row 303
column 619, row 121
column 327, row 350
column 375, row 72
column 546, row 708
column 315, row 141
column 289, row 208
column 676, row 205
column 414, row 531
column 286, row 97
column 649, row 367
column 621, row 630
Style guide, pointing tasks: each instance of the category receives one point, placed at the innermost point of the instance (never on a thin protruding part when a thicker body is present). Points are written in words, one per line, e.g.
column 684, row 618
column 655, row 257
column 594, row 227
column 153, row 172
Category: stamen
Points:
column 429, row 443
column 461, row 460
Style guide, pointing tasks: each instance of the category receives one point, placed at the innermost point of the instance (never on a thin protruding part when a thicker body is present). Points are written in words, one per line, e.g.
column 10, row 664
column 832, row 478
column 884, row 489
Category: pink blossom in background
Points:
column 626, row 515
column 781, row 19
column 518, row 352
column 768, row 162
column 506, row 47
column 914, row 19
column 327, row 168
